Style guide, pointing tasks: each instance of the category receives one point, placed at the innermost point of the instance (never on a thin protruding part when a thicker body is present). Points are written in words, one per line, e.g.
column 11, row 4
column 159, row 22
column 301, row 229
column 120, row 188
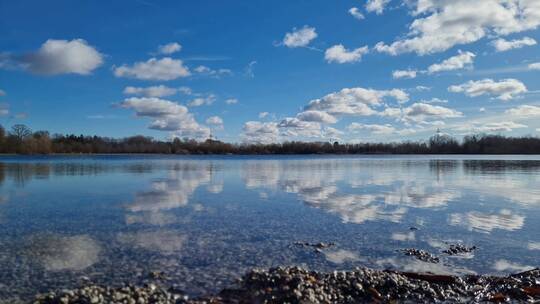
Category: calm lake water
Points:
column 204, row 221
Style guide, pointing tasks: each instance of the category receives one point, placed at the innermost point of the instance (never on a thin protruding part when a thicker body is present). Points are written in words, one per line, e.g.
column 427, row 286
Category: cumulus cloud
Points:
column 421, row 113
column 263, row 114
column 166, row 116
column 153, row 91
column 503, row 126
column 201, row 101
column 338, row 53
column 154, row 69
column 376, row 6
column 294, row 127
column 502, row 45
column 215, row 121
column 169, row 48
column 440, row 25
column 355, row 12
column 524, row 111
column 534, row 66
column 316, row 116
column 404, row 74
column 355, row 101
column 506, row 89
column 299, row 37
column 260, row 132
column 231, row 101
column 373, row 128
column 461, row 61
column 204, row 70
column 62, row 57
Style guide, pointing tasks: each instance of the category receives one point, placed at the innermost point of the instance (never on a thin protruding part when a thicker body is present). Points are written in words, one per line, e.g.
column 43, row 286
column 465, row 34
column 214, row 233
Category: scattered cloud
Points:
column 422, row 111
column 263, row 115
column 201, row 101
column 260, row 132
column 299, row 37
column 355, row 12
column 2, row 93
column 231, row 101
column 372, row 128
column 316, row 116
column 169, row 48
column 503, row 45
column 441, row 25
column 534, row 66
column 338, row 53
column 249, row 71
column 166, row 115
column 463, row 60
column 215, row 121
column 154, row 69
column 355, row 101
column 503, row 126
column 204, row 70
column 434, row 100
column 524, row 111
column 152, row 91
column 56, row 57
column 506, row 89
column 376, row 6
column 4, row 110
column 410, row 74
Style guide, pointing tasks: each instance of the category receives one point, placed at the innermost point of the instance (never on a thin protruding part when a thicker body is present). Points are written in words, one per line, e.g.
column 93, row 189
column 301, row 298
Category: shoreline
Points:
column 298, row 285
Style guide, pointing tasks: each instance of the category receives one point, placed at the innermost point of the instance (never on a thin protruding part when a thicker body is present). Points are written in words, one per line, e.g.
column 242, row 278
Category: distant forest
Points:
column 21, row 140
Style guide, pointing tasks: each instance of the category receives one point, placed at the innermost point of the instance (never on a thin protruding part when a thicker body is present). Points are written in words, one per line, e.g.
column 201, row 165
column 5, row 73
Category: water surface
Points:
column 206, row 220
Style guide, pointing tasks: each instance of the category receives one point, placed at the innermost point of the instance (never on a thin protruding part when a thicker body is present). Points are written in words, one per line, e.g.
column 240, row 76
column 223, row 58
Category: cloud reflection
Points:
column 504, row 220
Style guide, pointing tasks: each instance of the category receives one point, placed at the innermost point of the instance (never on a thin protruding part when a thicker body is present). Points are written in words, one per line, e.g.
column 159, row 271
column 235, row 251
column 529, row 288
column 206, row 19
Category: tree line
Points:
column 22, row 140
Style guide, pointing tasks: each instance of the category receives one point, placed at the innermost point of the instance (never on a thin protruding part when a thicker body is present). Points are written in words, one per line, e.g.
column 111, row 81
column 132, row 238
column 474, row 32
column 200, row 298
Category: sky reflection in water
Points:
column 205, row 221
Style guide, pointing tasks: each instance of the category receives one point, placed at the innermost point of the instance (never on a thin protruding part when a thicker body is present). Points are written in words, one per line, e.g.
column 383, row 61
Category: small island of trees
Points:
column 22, row 140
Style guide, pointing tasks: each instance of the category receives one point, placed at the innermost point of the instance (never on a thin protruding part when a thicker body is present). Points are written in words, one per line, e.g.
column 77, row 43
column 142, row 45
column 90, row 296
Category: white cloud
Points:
column 169, row 48
column 524, row 111
column 440, row 25
column 260, row 132
column 201, row 101
column 263, row 114
column 404, row 74
column 153, row 91
column 355, row 12
column 373, row 128
column 421, row 88
column 4, row 110
column 154, row 69
column 166, row 116
column 231, row 101
column 338, row 53
column 461, row 61
column 299, row 37
column 355, row 101
column 215, row 121
column 204, row 70
column 316, row 116
column 63, row 57
column 504, row 265
column 422, row 111
column 502, row 45
column 506, row 89
column 293, row 127
column 434, row 100
column 376, row 6
column 185, row 90
column 2, row 93
column 534, row 66
column 504, row 126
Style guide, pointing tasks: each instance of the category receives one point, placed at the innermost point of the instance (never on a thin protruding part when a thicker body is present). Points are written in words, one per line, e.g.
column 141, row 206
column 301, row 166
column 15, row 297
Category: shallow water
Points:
column 206, row 220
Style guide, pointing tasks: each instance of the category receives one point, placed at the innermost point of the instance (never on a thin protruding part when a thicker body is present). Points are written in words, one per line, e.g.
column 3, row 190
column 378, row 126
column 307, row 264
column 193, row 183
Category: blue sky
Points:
column 265, row 71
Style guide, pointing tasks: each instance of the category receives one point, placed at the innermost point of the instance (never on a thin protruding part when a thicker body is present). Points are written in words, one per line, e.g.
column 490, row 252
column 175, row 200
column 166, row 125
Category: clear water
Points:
column 206, row 220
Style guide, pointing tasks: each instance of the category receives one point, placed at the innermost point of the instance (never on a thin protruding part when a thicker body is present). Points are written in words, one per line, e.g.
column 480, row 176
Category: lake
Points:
column 204, row 221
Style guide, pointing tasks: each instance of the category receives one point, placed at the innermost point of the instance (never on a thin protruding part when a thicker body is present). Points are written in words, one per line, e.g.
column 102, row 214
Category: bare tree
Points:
column 20, row 131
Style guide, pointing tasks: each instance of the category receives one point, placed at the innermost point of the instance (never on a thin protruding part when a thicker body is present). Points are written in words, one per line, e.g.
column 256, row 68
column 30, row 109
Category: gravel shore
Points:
column 297, row 285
